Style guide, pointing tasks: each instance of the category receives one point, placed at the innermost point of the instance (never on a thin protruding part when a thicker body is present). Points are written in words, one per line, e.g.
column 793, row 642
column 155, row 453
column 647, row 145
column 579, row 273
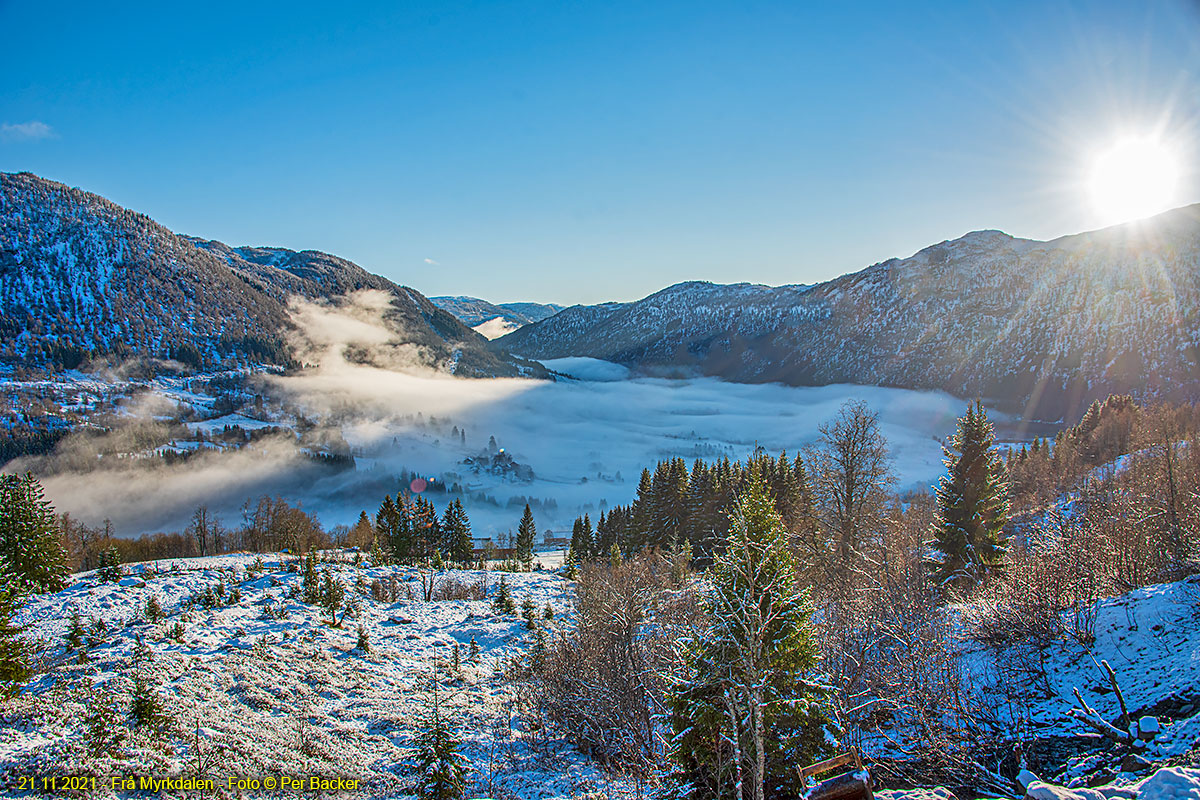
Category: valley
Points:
column 338, row 439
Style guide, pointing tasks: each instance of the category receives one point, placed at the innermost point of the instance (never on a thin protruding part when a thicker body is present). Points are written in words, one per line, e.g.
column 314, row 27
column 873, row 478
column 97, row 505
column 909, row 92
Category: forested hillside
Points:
column 83, row 279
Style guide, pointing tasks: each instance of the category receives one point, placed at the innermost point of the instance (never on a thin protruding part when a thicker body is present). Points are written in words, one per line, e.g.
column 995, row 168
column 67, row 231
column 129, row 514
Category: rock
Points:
column 1025, row 778
column 1100, row 777
column 401, row 620
column 1171, row 783
column 1040, row 790
column 134, row 582
column 1132, row 762
column 1148, row 728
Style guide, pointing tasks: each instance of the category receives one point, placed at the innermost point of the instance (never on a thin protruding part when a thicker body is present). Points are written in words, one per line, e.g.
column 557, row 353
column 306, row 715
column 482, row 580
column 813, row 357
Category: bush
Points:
column 605, row 683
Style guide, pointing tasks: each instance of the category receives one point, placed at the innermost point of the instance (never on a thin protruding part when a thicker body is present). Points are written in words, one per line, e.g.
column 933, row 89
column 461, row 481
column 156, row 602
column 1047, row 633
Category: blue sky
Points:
column 587, row 151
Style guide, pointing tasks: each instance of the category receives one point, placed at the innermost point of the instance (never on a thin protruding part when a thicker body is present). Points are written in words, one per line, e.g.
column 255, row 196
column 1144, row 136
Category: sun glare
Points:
column 1134, row 178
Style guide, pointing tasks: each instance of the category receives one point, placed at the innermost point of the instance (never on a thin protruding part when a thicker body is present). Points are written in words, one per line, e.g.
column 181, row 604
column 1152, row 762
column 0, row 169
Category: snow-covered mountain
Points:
column 495, row 319
column 82, row 276
column 1043, row 327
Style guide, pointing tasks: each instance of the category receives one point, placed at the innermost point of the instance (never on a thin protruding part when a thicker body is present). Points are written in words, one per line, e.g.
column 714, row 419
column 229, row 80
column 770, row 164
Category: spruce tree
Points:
column 426, row 528
column 581, row 541
column 311, row 581
column 29, row 541
column 972, row 506
column 75, row 632
column 15, row 652
column 503, row 602
column 526, row 532
column 333, row 596
column 109, row 569
column 642, row 514
column 456, row 529
column 385, row 523
column 439, row 766
column 747, row 702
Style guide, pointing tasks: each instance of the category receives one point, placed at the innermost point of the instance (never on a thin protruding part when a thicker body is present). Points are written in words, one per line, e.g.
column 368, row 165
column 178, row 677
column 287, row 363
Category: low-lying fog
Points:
column 586, row 438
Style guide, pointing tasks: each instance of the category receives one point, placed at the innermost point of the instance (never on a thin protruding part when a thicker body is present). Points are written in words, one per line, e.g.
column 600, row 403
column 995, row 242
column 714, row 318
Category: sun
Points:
column 1134, row 178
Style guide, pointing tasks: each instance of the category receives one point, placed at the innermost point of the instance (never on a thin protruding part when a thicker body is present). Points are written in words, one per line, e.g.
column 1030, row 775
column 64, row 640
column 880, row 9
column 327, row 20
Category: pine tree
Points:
column 526, row 532
column 333, row 596
column 145, row 706
column 104, row 731
column 311, row 581
column 154, row 610
column 15, row 652
column 29, row 541
column 747, row 702
column 581, row 541
column 503, row 601
column 439, row 766
column 75, row 631
column 972, row 506
column 456, row 529
column 110, row 565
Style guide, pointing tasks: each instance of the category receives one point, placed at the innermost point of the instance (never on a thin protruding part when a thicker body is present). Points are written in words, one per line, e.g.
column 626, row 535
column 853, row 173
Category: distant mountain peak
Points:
column 493, row 320
column 1040, row 327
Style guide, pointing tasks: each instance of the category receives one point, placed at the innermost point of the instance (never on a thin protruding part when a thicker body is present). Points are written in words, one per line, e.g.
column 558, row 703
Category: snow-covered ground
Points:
column 253, row 693
column 1151, row 639
column 265, row 686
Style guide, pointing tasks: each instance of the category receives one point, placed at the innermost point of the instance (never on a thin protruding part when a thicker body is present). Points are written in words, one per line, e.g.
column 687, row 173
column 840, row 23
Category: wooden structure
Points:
column 851, row 784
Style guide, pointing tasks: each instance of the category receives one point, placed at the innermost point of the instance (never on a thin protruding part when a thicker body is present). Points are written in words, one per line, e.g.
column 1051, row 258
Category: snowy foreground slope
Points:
column 1151, row 639
column 261, row 685
column 255, row 695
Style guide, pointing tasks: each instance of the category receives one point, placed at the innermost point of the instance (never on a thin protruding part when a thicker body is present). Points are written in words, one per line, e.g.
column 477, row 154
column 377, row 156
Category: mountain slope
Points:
column 81, row 277
column 1042, row 327
column 495, row 319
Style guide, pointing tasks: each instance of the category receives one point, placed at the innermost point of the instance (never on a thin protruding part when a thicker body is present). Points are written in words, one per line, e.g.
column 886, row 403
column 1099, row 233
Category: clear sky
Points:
column 586, row 151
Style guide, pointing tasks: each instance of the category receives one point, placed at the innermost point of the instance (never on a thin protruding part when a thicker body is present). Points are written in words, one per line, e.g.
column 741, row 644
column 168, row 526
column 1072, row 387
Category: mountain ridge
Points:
column 83, row 278
column 1042, row 328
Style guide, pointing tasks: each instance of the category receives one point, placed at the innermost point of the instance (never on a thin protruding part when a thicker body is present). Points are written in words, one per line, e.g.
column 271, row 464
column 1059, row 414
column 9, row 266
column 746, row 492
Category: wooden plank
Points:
column 849, row 757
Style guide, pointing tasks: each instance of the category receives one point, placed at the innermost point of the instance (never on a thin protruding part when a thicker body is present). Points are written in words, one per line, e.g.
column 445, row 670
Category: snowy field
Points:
column 264, row 686
column 254, row 693
column 586, row 438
